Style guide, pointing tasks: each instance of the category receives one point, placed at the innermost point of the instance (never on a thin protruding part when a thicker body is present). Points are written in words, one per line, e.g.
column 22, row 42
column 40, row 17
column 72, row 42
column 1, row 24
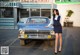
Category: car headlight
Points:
column 21, row 33
column 52, row 32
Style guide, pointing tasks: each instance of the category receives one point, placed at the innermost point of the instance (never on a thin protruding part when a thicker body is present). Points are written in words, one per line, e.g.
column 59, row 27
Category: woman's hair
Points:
column 57, row 12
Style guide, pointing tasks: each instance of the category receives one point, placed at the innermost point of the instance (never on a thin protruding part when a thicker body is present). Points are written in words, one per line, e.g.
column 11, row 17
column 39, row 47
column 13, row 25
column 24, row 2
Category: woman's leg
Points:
column 56, row 42
column 60, row 40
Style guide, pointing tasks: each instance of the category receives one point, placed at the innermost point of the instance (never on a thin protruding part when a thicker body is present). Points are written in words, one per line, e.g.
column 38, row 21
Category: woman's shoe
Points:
column 55, row 52
column 59, row 49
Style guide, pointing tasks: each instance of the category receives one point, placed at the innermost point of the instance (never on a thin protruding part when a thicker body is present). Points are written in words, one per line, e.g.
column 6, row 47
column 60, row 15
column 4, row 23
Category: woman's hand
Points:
column 46, row 26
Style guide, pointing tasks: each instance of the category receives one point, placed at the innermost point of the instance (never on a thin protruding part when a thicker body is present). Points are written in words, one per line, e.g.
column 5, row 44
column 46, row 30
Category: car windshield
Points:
column 37, row 20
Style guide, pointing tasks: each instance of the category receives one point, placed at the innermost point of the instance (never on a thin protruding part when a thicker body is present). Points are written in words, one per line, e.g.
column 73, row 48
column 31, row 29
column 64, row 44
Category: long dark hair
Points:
column 57, row 12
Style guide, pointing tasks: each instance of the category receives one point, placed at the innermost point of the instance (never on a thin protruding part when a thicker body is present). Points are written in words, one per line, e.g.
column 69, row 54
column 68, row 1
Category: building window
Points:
column 6, row 12
column 46, row 12
column 35, row 12
column 24, row 13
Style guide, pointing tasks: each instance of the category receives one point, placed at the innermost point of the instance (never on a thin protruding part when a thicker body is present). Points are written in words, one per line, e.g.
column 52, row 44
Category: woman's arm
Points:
column 51, row 22
column 59, row 18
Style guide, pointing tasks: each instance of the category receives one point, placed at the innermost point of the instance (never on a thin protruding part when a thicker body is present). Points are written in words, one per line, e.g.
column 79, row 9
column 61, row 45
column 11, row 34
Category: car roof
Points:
column 37, row 17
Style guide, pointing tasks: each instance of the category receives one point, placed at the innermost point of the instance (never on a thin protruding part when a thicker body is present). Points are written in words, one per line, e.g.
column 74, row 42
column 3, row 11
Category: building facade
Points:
column 26, row 8
column 18, row 9
column 11, row 11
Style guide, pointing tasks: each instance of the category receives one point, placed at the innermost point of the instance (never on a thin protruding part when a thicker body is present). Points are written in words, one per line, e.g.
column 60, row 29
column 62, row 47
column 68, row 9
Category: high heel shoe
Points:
column 55, row 52
column 59, row 49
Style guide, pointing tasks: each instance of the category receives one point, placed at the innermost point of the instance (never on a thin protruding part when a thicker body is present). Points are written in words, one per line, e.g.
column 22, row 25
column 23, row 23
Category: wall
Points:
column 75, row 0
column 75, row 16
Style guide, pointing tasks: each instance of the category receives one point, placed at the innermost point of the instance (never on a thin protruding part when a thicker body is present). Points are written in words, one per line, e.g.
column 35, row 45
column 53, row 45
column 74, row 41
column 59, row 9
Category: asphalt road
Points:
column 71, row 43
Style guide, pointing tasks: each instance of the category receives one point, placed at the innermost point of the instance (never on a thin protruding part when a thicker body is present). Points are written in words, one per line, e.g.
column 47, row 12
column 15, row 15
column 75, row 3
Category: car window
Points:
column 37, row 20
column 23, row 19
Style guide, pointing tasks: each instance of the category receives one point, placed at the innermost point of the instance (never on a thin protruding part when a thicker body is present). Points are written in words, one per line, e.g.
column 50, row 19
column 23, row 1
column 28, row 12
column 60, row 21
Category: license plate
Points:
column 38, row 36
column 30, row 36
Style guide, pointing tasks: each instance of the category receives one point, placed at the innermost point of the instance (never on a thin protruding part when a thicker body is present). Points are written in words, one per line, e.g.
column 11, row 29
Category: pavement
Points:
column 71, row 43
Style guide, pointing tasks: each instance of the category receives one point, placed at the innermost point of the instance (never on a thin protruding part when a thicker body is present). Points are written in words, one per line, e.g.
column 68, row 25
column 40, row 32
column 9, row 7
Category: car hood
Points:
column 36, row 27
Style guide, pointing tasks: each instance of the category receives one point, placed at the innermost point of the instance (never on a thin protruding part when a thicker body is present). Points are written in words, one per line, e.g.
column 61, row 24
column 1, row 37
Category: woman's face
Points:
column 54, row 12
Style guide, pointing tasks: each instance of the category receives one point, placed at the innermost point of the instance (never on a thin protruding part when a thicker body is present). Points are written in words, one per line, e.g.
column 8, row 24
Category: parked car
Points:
column 34, row 28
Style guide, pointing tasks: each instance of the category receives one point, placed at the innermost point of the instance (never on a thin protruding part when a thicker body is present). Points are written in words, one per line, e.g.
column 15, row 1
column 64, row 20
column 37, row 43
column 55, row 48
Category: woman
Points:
column 57, row 29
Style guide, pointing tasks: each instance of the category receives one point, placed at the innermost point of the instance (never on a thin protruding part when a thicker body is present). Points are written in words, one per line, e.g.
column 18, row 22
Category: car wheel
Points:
column 51, row 43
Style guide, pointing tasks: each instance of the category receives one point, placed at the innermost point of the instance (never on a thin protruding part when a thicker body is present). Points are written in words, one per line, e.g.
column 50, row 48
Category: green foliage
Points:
column 70, row 12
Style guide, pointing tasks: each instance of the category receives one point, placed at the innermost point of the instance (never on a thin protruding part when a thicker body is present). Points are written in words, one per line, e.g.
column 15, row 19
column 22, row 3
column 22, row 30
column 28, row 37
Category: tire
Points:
column 22, row 42
column 51, row 43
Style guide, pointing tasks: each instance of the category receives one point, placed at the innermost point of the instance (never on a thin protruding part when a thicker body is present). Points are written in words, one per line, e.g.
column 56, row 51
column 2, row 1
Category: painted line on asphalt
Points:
column 7, row 41
column 13, row 41
column 31, row 47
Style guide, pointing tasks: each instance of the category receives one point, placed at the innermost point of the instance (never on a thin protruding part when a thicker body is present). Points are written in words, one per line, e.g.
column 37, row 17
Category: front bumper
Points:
column 26, row 36
column 33, row 34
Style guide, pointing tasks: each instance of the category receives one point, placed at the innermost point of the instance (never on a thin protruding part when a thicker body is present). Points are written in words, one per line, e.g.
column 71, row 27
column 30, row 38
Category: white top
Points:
column 51, row 21
column 56, row 17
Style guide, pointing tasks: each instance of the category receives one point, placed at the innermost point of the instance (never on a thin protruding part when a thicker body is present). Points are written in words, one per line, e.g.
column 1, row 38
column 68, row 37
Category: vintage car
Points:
column 34, row 28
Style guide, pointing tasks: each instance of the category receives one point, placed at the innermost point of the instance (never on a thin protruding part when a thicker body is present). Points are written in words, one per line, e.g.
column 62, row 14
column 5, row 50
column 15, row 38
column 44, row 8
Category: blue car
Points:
column 34, row 28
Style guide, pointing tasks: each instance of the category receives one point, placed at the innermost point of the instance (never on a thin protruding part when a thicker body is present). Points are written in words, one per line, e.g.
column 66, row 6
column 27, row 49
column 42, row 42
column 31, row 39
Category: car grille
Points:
column 39, row 34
